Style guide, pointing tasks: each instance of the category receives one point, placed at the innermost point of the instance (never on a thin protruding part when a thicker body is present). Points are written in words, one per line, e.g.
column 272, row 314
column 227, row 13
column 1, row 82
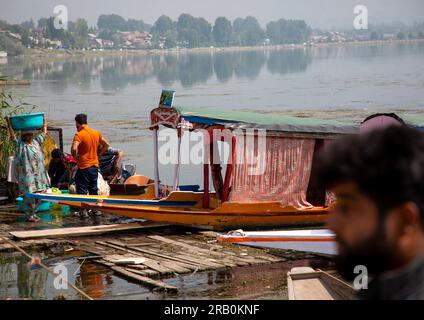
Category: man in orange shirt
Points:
column 84, row 149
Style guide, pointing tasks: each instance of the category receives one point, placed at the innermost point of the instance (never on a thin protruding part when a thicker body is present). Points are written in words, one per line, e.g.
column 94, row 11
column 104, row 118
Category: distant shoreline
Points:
column 73, row 53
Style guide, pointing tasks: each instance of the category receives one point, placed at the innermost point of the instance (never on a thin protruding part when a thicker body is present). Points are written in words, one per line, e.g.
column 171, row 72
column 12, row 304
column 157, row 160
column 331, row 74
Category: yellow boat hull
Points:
column 228, row 215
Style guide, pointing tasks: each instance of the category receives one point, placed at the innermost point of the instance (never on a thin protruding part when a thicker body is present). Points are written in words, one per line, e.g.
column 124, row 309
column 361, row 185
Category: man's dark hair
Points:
column 81, row 118
column 387, row 165
column 391, row 115
column 57, row 153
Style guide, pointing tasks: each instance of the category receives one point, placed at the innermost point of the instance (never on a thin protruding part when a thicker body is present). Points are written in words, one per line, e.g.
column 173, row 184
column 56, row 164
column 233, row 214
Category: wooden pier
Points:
column 145, row 253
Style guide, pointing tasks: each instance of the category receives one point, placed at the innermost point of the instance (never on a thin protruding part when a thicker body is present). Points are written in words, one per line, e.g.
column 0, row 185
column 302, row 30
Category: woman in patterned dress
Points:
column 31, row 173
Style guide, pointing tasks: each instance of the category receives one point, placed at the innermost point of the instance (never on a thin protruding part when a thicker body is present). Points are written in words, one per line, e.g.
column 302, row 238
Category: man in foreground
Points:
column 84, row 148
column 378, row 219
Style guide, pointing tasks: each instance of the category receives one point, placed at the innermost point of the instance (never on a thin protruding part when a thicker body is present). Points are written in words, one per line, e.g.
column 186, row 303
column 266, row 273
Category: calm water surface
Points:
column 117, row 93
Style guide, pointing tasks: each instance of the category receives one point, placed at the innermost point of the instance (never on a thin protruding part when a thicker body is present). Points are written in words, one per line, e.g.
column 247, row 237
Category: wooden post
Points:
column 177, row 166
column 156, row 160
column 206, row 161
column 206, row 185
column 229, row 171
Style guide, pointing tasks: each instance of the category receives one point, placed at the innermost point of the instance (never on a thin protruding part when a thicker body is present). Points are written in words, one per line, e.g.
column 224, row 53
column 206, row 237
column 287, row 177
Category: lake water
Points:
column 118, row 92
column 20, row 279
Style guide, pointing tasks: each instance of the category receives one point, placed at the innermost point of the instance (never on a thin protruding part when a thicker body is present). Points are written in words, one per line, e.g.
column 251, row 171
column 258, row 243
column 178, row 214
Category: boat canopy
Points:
column 280, row 173
column 240, row 119
column 273, row 165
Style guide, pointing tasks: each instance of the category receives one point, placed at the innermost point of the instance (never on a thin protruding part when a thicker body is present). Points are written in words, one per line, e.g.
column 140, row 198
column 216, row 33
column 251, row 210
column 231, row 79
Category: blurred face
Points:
column 77, row 125
column 362, row 236
column 27, row 137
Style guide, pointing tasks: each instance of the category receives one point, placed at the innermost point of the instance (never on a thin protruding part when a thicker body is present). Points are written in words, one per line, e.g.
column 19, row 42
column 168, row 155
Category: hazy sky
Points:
column 317, row 13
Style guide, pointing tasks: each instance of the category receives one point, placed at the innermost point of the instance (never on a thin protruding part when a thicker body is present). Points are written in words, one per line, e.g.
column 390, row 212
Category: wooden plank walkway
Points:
column 146, row 255
column 165, row 253
column 83, row 231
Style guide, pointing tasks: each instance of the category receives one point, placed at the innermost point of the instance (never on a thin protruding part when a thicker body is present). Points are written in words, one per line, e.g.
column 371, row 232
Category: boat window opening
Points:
column 316, row 194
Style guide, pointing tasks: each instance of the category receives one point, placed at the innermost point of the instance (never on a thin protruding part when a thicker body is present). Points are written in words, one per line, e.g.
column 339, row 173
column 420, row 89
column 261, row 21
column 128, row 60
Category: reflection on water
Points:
column 94, row 280
column 19, row 279
column 31, row 283
column 116, row 73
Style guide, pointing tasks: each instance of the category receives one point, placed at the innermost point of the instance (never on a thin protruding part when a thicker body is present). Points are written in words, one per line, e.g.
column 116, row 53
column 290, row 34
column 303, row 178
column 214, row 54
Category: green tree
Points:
column 112, row 22
column 12, row 47
column 59, row 34
column 163, row 25
column 247, row 32
column 204, row 29
column 81, row 33
column 222, row 31
column 170, row 39
column 187, row 33
column 193, row 32
column 24, row 33
column 29, row 24
column 42, row 23
column 10, row 104
column 136, row 25
column 3, row 24
column 164, row 29
column 71, row 26
column 112, row 36
column 288, row 31
column 105, row 34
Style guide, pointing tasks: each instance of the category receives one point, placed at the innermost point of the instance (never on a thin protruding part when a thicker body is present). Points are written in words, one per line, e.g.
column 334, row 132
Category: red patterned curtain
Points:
column 285, row 176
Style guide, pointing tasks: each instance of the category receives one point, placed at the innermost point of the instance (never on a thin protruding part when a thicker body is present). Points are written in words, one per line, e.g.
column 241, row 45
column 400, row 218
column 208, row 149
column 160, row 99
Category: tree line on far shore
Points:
column 187, row 31
column 191, row 32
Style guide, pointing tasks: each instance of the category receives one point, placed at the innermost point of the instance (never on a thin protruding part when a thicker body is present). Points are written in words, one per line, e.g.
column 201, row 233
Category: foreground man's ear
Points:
column 408, row 230
column 410, row 216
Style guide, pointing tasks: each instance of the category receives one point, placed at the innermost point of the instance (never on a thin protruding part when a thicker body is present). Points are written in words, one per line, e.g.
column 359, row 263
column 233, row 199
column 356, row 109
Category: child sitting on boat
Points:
column 67, row 180
column 56, row 167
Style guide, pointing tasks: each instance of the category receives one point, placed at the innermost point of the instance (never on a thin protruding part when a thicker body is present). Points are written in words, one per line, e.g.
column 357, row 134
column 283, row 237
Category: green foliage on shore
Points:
column 192, row 32
column 222, row 31
column 114, row 23
column 10, row 105
column 247, row 32
column 12, row 47
column 288, row 31
column 186, row 32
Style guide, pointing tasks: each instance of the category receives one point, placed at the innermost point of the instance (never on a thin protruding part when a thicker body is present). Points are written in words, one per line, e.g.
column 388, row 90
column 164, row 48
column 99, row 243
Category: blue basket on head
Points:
column 30, row 121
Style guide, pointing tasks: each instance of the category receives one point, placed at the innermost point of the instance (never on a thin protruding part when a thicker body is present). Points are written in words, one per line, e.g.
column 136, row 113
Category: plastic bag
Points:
column 102, row 186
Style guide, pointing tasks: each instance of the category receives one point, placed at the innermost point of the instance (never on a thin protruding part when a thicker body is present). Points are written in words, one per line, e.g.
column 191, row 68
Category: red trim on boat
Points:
column 274, row 239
